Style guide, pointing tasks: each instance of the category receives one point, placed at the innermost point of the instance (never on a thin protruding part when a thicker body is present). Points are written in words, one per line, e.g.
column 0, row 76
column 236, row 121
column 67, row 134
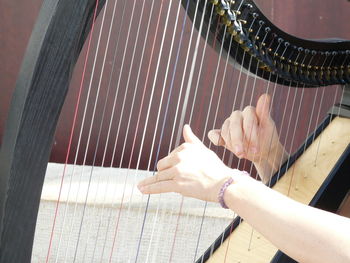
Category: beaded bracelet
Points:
column 222, row 192
column 227, row 183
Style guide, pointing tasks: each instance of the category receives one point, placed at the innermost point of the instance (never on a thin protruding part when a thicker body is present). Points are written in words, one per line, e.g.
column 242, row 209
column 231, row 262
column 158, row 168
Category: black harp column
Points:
column 41, row 88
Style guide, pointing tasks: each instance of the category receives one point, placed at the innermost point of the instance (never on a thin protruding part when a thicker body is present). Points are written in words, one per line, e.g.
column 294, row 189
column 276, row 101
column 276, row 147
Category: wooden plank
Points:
column 301, row 183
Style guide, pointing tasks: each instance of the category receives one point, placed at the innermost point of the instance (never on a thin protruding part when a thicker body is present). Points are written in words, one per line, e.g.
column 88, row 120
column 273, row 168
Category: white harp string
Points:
column 132, row 66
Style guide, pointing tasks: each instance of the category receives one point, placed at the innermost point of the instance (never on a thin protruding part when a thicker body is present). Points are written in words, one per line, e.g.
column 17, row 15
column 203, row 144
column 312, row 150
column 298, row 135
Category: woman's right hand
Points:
column 252, row 134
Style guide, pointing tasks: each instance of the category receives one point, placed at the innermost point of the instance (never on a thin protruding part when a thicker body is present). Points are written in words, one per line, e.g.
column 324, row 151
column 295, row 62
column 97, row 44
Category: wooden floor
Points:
column 301, row 182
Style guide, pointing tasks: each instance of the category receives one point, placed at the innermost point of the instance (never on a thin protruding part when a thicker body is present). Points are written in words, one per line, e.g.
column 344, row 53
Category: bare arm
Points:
column 305, row 233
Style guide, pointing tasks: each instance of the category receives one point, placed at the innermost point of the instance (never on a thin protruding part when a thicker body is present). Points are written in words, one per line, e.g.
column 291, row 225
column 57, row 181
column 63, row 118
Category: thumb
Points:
column 215, row 137
column 189, row 135
column 263, row 108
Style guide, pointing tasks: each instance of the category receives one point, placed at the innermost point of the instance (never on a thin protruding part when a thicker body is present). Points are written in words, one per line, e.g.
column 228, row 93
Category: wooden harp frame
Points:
column 56, row 42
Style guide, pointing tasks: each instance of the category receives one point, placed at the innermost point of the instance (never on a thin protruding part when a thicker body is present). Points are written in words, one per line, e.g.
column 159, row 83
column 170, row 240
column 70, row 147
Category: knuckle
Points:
column 159, row 165
column 248, row 127
column 236, row 113
column 186, row 145
column 226, row 137
column 177, row 170
column 182, row 147
column 177, row 157
column 249, row 109
column 177, row 186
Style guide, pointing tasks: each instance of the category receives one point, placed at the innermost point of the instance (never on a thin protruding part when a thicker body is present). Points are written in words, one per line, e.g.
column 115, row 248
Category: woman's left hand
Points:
column 191, row 170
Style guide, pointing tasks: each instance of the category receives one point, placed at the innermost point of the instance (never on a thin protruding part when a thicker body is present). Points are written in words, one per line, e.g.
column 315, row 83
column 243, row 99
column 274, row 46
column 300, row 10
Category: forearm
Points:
column 304, row 233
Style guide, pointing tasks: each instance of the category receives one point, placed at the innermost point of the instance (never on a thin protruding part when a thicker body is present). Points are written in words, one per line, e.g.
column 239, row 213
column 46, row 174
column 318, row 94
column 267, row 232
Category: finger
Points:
column 215, row 137
column 168, row 162
column 250, row 127
column 189, row 136
column 178, row 149
column 165, row 175
column 158, row 187
column 236, row 133
column 263, row 108
column 225, row 133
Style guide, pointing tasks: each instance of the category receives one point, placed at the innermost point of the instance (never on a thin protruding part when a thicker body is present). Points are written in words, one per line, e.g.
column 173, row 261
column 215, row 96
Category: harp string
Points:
column 290, row 118
column 72, row 131
column 185, row 104
column 125, row 139
column 214, row 122
column 213, row 127
column 250, row 104
column 157, row 243
column 244, row 94
column 310, row 120
column 215, row 119
column 207, row 117
column 124, row 188
column 231, row 155
column 101, row 124
column 250, row 133
column 87, row 144
column 189, row 82
column 297, row 115
column 201, row 105
column 250, row 101
column 137, row 124
column 160, row 144
column 193, row 107
column 148, row 112
column 249, row 245
column 202, row 63
column 99, row 134
column 182, row 118
column 311, row 113
column 234, row 103
column 68, row 197
column 270, row 144
column 202, row 102
column 242, row 106
column 283, row 119
column 107, row 142
column 161, row 136
column 250, row 170
column 318, row 146
column 164, row 123
column 317, row 121
column 108, row 138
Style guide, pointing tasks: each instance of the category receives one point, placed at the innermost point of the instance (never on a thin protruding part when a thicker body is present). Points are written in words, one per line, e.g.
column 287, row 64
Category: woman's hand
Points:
column 252, row 134
column 191, row 170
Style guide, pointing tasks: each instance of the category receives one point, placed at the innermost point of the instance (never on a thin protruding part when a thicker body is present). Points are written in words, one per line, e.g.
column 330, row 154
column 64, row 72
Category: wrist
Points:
column 236, row 176
column 222, row 191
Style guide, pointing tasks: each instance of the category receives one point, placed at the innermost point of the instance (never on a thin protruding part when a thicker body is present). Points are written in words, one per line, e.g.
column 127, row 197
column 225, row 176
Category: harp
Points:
column 238, row 31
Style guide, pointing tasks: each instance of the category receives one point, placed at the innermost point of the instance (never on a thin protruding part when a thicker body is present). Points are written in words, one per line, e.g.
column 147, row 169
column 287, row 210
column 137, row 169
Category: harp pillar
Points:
column 42, row 84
